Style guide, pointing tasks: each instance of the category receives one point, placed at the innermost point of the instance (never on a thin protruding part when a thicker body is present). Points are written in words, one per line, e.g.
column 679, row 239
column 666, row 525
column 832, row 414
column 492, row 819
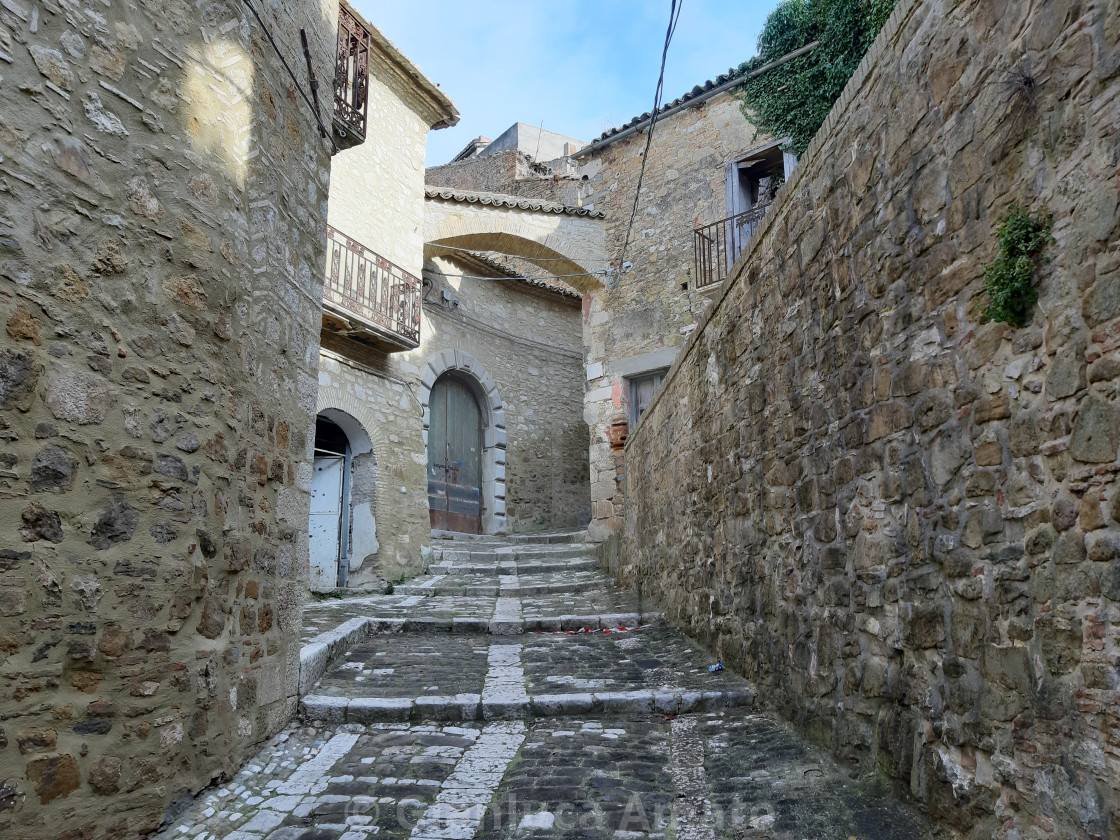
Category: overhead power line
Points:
column 674, row 17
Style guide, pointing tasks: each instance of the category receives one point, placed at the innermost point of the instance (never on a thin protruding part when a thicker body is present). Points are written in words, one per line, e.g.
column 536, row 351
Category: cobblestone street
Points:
column 514, row 692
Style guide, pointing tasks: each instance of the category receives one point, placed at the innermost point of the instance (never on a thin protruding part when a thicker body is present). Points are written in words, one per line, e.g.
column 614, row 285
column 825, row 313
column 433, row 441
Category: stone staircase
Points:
column 513, row 691
column 385, row 667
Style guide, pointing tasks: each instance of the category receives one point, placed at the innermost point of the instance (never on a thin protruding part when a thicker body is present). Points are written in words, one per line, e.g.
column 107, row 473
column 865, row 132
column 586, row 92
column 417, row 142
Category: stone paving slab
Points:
column 588, row 779
column 437, row 676
column 731, row 774
column 647, row 658
column 764, row 777
column 596, row 602
column 409, row 665
column 342, row 783
column 321, row 616
column 503, row 566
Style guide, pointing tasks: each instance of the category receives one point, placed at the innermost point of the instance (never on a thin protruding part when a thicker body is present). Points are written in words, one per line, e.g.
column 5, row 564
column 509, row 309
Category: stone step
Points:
column 506, row 553
column 544, row 537
column 514, row 567
column 505, row 585
column 325, row 709
column 563, row 537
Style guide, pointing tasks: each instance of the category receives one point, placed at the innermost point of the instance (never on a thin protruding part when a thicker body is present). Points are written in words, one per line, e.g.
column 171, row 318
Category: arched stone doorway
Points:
column 342, row 528
column 463, row 381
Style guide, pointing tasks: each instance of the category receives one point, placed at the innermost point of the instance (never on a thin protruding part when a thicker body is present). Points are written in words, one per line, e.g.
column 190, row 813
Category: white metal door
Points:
column 326, row 518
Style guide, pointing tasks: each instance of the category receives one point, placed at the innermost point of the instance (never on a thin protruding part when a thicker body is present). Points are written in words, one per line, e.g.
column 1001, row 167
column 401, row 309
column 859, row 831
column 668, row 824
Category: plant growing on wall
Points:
column 1007, row 281
column 793, row 99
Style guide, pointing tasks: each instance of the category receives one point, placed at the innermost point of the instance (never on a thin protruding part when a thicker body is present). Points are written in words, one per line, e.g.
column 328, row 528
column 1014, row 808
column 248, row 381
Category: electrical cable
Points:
column 674, row 17
column 295, row 81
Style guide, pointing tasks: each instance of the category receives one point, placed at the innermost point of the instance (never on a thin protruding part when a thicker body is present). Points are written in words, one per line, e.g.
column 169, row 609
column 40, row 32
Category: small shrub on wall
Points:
column 1007, row 282
column 792, row 100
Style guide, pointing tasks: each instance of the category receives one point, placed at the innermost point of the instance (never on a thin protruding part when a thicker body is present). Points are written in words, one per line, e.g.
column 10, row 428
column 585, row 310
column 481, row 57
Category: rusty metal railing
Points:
column 366, row 284
column 351, row 74
column 716, row 246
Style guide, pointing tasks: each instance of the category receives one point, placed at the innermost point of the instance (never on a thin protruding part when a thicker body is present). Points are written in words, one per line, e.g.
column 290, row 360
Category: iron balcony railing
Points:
column 351, row 78
column 715, row 247
column 365, row 284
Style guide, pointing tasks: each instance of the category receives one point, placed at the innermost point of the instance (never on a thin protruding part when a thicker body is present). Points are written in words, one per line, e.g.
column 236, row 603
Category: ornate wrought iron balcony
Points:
column 715, row 247
column 369, row 297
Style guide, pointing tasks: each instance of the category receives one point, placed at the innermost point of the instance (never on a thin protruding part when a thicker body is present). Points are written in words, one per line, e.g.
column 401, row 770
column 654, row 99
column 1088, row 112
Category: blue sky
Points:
column 582, row 66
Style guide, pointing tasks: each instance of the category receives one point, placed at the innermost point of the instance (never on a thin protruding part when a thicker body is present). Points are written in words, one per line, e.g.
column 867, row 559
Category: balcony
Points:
column 369, row 298
column 351, row 80
column 715, row 247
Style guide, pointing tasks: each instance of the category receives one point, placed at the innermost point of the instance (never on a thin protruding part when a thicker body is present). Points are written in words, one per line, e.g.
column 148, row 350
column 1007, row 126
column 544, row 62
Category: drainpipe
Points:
column 344, row 531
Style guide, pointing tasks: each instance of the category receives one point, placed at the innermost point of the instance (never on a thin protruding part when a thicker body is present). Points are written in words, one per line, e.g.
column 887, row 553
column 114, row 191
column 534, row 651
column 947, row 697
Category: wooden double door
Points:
column 454, row 457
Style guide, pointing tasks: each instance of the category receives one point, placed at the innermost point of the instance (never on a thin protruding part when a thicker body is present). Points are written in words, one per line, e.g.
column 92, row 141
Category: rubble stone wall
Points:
column 161, row 247
column 488, row 173
column 901, row 522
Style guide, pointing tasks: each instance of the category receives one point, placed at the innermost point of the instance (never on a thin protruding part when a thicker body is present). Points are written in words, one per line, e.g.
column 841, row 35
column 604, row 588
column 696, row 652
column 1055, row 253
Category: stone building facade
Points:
column 515, row 345
column 368, row 523
column 903, row 520
column 636, row 320
column 521, row 344
column 161, row 237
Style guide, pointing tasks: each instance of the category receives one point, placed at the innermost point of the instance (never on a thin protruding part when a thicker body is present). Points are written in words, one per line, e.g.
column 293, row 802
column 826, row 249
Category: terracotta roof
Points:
column 514, row 201
column 696, row 93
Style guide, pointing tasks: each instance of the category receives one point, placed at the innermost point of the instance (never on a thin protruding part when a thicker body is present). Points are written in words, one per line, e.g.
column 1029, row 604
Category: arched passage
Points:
column 342, row 526
column 466, row 370
column 559, row 239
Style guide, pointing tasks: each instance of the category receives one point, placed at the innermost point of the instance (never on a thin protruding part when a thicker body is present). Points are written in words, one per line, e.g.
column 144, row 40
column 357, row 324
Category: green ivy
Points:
column 794, row 99
column 1007, row 281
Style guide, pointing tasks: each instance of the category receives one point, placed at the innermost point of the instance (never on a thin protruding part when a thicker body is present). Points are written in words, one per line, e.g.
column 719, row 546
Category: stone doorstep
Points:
column 472, row 707
column 545, row 539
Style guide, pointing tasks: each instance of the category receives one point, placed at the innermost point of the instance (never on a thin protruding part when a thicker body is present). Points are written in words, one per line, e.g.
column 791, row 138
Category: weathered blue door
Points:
column 455, row 458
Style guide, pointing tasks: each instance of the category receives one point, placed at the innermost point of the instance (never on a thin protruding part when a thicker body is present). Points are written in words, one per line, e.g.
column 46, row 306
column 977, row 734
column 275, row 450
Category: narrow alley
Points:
column 514, row 691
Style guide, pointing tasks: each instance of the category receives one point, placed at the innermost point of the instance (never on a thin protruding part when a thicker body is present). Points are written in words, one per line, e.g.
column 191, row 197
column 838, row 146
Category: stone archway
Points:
column 485, row 390
column 562, row 240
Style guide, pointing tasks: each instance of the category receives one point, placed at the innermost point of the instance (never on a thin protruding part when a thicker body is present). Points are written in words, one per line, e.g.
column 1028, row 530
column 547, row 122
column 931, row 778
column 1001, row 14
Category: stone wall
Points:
column 489, row 173
column 161, row 240
column 901, row 522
